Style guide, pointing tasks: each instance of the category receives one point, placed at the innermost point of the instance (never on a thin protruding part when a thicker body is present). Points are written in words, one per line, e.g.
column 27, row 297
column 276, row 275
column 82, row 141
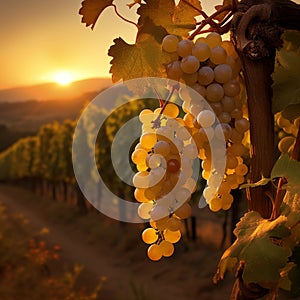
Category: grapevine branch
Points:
column 123, row 18
column 209, row 21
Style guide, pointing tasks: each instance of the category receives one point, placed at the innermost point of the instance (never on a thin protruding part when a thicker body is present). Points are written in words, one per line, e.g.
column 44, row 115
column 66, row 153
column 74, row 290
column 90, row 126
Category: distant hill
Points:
column 53, row 91
column 31, row 115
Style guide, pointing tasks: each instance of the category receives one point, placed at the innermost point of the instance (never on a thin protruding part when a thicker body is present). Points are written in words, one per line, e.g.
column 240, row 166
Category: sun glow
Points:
column 63, row 78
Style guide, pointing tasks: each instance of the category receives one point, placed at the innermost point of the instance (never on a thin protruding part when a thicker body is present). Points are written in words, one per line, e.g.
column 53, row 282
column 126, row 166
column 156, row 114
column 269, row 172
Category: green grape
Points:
column 228, row 104
column 285, row 143
column 139, row 156
column 184, row 48
column 172, row 236
column 174, row 70
column 144, row 210
column 206, row 118
column 224, row 117
column 154, row 252
column 148, row 140
column 241, row 170
column 282, row 122
column 217, row 107
column 170, row 43
column 232, row 88
column 155, row 161
column 190, row 64
column 242, row 125
column 206, row 75
column 199, row 88
column 223, row 73
column 146, row 116
column 215, row 204
column 227, row 199
column 149, row 236
column 167, row 248
column 213, row 39
column 174, row 224
column 190, row 79
column 201, row 51
column 171, row 110
column 218, row 55
column 159, row 211
column 162, row 148
column 141, row 180
column 236, row 113
column 224, row 188
column 184, row 211
column 231, row 162
column 214, row 92
column 139, row 195
column 236, row 137
column 237, row 149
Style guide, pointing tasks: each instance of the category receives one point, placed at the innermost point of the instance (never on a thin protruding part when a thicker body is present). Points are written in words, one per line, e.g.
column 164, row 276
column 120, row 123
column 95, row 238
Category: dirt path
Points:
column 185, row 276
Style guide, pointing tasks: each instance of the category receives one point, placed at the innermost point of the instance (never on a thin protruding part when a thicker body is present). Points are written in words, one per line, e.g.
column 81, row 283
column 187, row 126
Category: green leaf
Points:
column 261, row 182
column 286, row 89
column 91, row 10
column 178, row 20
column 290, row 169
column 184, row 17
column 259, row 245
column 143, row 59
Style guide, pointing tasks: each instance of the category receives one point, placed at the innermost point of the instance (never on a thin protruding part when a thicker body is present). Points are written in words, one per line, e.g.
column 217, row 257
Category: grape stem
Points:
column 123, row 18
column 209, row 21
column 163, row 105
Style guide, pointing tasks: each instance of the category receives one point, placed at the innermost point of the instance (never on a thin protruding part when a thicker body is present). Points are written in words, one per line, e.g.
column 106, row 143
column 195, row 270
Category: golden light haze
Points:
column 42, row 38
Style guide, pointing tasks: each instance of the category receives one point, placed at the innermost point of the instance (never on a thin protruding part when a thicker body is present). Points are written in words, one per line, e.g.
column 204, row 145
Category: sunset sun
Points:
column 63, row 78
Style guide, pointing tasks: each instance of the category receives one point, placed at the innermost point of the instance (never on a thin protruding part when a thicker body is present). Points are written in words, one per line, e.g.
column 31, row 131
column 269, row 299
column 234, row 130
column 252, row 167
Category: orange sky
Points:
column 42, row 37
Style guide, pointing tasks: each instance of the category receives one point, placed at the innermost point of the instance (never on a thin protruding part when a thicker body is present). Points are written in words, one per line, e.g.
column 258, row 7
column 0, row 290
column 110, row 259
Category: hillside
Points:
column 30, row 115
column 51, row 91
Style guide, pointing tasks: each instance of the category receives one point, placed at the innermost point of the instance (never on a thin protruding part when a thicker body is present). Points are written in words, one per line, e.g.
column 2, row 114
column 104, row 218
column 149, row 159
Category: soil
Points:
column 119, row 255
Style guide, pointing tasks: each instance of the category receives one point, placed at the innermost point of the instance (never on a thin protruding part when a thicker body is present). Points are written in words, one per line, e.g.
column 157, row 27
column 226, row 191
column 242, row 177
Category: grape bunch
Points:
column 288, row 133
column 164, row 182
column 211, row 67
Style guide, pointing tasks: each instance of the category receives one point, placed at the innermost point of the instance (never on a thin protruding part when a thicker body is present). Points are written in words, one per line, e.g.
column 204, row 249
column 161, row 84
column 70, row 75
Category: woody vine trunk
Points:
column 256, row 30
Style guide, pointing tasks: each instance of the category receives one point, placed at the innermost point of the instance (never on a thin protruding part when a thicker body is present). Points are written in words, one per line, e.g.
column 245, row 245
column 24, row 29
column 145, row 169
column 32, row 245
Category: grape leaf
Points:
column 142, row 59
column 286, row 89
column 290, row 169
column 258, row 245
column 171, row 17
column 184, row 17
column 91, row 10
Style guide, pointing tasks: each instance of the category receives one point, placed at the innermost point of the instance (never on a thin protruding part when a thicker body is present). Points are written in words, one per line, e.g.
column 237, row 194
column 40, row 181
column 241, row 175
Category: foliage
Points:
column 26, row 265
column 286, row 77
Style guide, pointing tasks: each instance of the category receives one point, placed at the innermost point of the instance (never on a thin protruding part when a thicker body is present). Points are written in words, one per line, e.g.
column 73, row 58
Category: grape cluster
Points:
column 164, row 181
column 211, row 67
column 288, row 133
